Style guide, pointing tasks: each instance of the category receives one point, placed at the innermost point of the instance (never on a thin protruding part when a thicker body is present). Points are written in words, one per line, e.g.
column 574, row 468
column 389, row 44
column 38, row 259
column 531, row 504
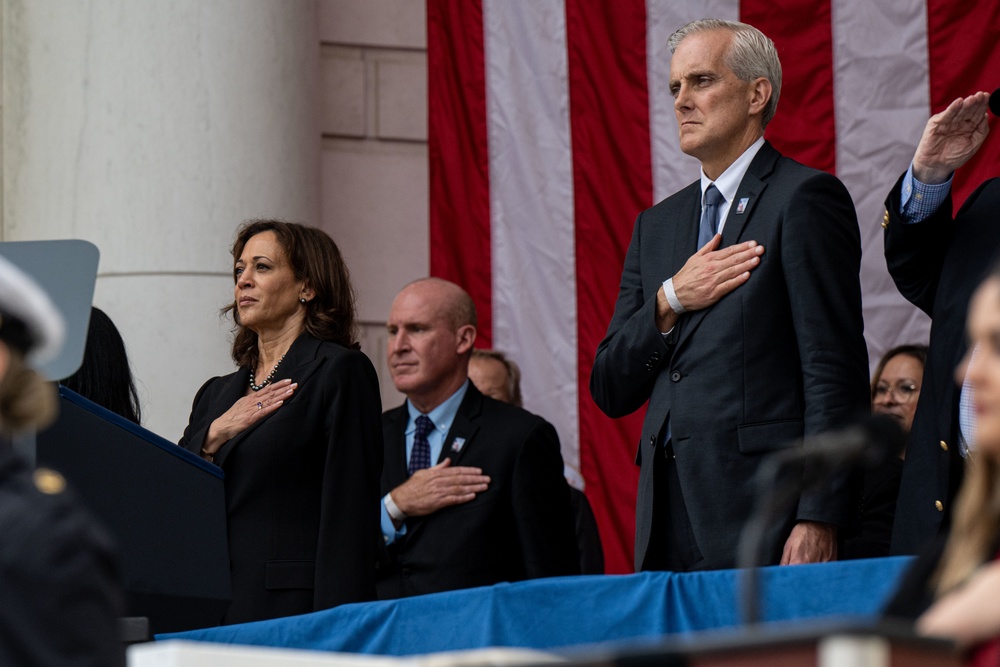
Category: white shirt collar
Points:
column 729, row 181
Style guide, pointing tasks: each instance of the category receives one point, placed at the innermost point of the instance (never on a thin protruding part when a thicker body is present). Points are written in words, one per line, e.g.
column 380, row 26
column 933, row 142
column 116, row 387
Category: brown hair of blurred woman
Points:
column 315, row 258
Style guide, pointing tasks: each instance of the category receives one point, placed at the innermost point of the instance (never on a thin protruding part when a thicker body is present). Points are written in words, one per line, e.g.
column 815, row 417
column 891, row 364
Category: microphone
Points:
column 995, row 102
column 782, row 477
column 866, row 444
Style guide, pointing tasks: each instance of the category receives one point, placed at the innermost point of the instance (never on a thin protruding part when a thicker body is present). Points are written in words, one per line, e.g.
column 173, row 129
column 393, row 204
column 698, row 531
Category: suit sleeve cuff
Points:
column 918, row 201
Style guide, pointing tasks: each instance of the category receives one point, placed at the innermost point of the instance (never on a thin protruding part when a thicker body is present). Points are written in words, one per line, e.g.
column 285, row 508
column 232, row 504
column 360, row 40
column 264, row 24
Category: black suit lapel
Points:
column 685, row 235
column 749, row 193
column 464, row 428
column 394, row 467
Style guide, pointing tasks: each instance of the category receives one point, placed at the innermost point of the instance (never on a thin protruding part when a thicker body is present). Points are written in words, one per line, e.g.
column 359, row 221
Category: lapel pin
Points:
column 457, row 445
column 742, row 206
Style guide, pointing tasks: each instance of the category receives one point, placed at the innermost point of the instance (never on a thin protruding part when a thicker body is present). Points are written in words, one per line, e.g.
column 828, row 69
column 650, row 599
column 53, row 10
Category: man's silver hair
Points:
column 751, row 55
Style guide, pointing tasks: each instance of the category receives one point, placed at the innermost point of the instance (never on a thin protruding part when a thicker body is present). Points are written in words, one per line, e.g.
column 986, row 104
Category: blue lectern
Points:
column 164, row 506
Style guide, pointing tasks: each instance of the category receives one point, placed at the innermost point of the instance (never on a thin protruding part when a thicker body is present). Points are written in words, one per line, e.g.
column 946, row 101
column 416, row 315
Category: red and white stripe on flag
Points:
column 551, row 127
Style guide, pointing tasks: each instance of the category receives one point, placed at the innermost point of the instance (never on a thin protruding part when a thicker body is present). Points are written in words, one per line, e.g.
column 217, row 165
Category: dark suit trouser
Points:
column 672, row 545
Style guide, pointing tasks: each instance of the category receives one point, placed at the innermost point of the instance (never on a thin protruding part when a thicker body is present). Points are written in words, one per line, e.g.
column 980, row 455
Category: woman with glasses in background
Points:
column 895, row 390
column 896, row 383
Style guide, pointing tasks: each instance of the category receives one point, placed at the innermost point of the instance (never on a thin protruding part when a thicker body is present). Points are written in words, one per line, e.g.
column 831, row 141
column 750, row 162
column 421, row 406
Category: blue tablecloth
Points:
column 571, row 611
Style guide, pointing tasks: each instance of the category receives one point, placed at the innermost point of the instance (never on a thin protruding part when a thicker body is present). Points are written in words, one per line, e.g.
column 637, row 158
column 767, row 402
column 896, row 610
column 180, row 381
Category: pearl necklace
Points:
column 267, row 380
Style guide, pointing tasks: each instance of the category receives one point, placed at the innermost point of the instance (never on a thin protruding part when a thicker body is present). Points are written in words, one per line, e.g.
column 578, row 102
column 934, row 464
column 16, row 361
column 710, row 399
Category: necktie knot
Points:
column 424, row 426
column 712, row 196
column 709, row 225
column 420, row 456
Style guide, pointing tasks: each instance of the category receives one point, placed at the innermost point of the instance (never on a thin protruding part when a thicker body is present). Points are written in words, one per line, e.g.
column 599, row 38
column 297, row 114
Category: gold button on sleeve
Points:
column 944, row 446
column 939, row 505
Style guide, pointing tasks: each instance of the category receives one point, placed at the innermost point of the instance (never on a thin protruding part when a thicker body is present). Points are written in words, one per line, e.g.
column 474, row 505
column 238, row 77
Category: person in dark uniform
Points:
column 59, row 586
column 937, row 259
column 952, row 587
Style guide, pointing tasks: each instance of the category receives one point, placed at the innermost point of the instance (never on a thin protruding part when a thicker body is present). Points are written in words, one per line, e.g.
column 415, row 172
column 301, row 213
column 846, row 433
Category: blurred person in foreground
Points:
column 60, row 593
column 895, row 390
column 296, row 429
column 498, row 376
column 957, row 580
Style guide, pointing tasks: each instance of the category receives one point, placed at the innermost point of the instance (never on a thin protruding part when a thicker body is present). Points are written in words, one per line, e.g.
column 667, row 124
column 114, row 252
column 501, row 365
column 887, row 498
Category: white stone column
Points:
column 152, row 129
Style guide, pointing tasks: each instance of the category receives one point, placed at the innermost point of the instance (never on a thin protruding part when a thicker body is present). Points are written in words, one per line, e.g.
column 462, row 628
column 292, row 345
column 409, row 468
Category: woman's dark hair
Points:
column 314, row 258
column 918, row 352
column 104, row 376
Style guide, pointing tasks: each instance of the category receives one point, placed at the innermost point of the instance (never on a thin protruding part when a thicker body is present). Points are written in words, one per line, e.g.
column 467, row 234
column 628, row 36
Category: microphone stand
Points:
column 775, row 499
column 819, row 458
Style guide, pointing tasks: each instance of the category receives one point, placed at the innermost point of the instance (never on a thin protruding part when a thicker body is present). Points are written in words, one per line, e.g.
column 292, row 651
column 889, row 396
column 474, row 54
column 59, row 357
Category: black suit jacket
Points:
column 301, row 485
column 780, row 357
column 522, row 527
column 937, row 265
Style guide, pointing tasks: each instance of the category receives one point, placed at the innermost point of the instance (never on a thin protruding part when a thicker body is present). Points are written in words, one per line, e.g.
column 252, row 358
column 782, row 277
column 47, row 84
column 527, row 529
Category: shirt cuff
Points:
column 390, row 511
column 918, row 201
column 668, row 291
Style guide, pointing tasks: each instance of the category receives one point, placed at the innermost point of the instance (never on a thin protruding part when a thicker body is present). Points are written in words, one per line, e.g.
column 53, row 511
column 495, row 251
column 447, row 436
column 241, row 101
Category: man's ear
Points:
column 466, row 336
column 760, row 95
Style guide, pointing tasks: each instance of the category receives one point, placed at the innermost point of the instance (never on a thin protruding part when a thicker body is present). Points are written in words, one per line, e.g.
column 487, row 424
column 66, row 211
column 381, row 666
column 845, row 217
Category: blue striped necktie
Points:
column 420, row 455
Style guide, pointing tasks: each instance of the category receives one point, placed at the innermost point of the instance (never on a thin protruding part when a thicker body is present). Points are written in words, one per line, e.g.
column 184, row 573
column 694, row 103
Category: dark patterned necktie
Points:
column 420, row 456
column 710, row 215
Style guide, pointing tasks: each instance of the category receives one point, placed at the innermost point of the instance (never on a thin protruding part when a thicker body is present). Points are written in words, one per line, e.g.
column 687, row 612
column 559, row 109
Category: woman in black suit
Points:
column 297, row 429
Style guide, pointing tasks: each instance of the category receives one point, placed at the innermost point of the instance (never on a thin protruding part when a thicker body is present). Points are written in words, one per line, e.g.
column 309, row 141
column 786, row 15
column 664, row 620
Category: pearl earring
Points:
column 302, row 299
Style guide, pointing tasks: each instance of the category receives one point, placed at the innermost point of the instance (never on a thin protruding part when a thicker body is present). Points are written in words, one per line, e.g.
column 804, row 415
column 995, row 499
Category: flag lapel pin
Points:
column 742, row 206
column 457, row 445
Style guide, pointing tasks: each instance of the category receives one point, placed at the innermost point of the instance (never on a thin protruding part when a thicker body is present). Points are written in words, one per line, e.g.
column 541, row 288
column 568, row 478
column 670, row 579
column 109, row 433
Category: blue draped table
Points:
column 571, row 611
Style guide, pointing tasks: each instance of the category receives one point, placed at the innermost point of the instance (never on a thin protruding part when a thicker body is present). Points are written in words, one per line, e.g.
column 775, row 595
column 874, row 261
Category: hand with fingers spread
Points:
column 950, row 138
column 245, row 413
column 707, row 276
column 437, row 487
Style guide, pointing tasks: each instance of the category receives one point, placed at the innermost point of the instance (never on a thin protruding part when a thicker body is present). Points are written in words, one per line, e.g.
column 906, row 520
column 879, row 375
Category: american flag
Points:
column 551, row 126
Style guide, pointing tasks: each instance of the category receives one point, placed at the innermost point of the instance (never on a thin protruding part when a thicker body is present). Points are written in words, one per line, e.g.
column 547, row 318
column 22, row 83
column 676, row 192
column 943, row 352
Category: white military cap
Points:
column 28, row 319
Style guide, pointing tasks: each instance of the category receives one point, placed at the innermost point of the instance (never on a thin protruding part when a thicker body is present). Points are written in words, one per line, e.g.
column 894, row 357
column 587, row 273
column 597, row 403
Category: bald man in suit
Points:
column 473, row 488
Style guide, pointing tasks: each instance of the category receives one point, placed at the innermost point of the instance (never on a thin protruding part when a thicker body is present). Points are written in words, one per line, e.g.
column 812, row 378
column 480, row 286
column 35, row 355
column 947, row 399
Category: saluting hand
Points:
column 950, row 138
